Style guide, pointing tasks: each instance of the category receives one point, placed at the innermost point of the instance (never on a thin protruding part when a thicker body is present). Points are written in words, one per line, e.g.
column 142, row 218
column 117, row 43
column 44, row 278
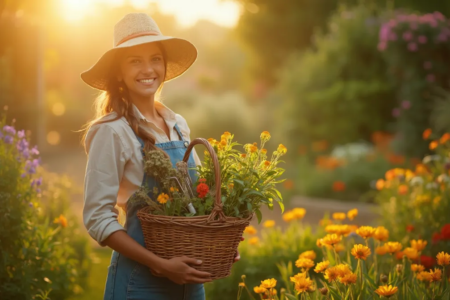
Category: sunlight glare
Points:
column 75, row 10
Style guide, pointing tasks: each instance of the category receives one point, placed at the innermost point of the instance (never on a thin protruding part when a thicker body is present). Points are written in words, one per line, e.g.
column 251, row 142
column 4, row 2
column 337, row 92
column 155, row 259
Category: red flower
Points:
column 445, row 232
column 409, row 228
column 427, row 261
column 202, row 190
column 436, row 237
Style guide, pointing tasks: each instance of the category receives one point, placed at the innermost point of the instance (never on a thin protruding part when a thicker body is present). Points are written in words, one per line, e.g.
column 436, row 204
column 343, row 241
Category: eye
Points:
column 157, row 58
column 135, row 60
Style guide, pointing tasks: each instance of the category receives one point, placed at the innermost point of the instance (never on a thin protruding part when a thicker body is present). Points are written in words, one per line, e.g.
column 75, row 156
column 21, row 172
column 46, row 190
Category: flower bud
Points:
column 383, row 278
column 243, row 276
column 324, row 291
column 311, row 289
column 399, row 268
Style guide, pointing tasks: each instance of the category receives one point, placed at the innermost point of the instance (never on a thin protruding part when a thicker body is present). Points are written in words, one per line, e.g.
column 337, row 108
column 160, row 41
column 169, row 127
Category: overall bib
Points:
column 130, row 280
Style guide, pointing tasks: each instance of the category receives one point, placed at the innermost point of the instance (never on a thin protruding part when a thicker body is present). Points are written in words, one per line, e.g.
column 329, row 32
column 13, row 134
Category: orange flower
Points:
column 351, row 214
column 348, row 279
column 381, row 250
column 426, row 134
column 419, row 245
column 308, row 254
column 265, row 136
column 443, row 259
column 421, row 169
column 386, row 291
column 162, row 198
column 411, row 253
column 389, row 175
column 281, row 149
column 433, row 145
column 253, row 148
column 444, row 138
column 304, row 263
column 331, row 274
column 202, row 190
column 339, row 248
column 322, row 266
column 61, row 220
column 365, row 231
column 380, row 184
column 250, row 230
column 417, row 268
column 253, row 240
column 339, row 216
column 269, row 223
column 381, row 234
column 288, row 184
column 259, row 289
column 392, row 247
column 331, row 239
column 360, row 251
column 436, row 274
column 338, row 186
column 403, row 189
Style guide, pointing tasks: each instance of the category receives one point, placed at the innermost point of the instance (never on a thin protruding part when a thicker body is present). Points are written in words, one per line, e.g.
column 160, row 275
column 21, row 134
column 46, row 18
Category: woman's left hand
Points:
column 238, row 256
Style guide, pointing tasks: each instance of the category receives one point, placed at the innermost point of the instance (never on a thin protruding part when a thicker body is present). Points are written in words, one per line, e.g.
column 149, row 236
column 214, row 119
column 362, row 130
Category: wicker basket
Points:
column 214, row 238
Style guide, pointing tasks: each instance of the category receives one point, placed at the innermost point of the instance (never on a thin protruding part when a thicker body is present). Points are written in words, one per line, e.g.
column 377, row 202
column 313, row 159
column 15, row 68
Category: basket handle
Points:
column 218, row 207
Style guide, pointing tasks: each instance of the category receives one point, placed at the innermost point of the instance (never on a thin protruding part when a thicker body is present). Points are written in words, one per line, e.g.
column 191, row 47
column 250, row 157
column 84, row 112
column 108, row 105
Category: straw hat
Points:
column 136, row 29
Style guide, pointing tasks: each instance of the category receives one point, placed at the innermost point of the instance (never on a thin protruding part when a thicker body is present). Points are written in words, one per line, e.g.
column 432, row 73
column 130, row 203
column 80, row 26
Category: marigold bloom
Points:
column 351, row 214
column 426, row 134
column 288, row 216
column 265, row 136
column 331, row 239
column 365, row 231
column 267, row 163
column 304, row 263
column 269, row 223
column 250, row 230
column 241, row 284
column 381, row 250
column 417, row 268
column 339, row 216
column 338, row 186
column 302, row 283
column 308, row 254
column 259, row 289
column 162, row 198
column 253, row 148
column 322, row 266
column 436, row 275
column 299, row 213
column 212, row 141
column 392, row 247
column 411, row 253
column 61, row 220
column 380, row 184
column 433, row 145
column 403, row 189
column 342, row 270
column 202, row 190
column 253, row 240
column 386, row 291
column 445, row 137
column 399, row 255
column 269, row 283
column 360, row 251
column 381, row 234
column 443, row 259
column 339, row 248
column 348, row 279
column 419, row 245
column 243, row 155
column 424, row 276
column 319, row 243
column 331, row 274
column 281, row 149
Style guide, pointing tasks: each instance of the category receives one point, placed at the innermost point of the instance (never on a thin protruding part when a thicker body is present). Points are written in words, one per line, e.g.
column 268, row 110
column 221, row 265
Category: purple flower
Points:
column 439, row 16
column 412, row 47
column 427, row 65
column 431, row 77
column 406, row 104
column 8, row 139
column 407, row 35
column 422, row 39
column 396, row 112
column 25, row 153
column 36, row 162
column 22, row 145
column 384, row 32
column 39, row 181
column 21, row 134
column 9, row 129
column 35, row 151
column 23, row 175
column 38, row 190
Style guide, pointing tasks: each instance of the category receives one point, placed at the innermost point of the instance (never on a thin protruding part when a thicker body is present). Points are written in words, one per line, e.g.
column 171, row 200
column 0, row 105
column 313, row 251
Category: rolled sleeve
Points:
column 104, row 171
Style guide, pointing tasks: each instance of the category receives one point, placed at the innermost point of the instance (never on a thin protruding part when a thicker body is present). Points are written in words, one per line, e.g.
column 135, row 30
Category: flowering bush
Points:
column 357, row 263
column 248, row 180
column 41, row 254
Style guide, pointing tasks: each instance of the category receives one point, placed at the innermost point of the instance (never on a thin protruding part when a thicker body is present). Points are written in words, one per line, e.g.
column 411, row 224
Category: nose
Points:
column 147, row 68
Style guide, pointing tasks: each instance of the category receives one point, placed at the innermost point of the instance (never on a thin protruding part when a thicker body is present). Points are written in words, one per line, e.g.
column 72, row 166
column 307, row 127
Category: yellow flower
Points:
column 381, row 250
column 419, row 245
column 417, row 268
column 267, row 163
column 253, row 148
column 223, row 142
column 269, row 223
column 263, row 151
column 302, row 283
column 61, row 220
column 299, row 213
column 265, row 136
column 253, row 240
column 339, row 216
column 250, row 230
column 411, row 253
column 351, row 214
column 392, row 247
column 269, row 283
column 435, row 274
column 339, row 247
column 212, row 141
column 443, row 259
column 304, row 263
column 259, row 289
column 281, row 149
column 322, row 266
column 308, row 254
column 381, row 234
column 424, row 276
column 319, row 243
column 339, row 229
column 162, row 198
column 348, row 279
column 331, row 239
column 331, row 274
column 243, row 155
column 360, row 251
column 226, row 136
column 241, row 284
column 288, row 216
column 342, row 270
column 386, row 291
column 365, row 231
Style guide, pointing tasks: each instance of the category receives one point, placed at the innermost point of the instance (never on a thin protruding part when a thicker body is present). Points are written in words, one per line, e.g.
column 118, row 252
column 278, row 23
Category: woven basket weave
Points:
column 214, row 238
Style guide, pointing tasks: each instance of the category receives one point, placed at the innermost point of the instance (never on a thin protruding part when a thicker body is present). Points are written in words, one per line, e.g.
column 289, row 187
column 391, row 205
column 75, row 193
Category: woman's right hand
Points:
column 178, row 270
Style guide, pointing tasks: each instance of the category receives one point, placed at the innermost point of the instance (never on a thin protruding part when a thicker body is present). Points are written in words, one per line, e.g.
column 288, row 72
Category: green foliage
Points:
column 39, row 257
column 259, row 261
column 337, row 90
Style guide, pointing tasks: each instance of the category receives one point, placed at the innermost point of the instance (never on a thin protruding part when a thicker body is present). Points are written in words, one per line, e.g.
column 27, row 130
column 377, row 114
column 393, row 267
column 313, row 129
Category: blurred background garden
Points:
column 357, row 90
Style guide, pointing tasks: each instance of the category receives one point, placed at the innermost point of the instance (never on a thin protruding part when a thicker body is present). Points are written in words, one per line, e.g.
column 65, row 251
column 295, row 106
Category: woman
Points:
column 130, row 119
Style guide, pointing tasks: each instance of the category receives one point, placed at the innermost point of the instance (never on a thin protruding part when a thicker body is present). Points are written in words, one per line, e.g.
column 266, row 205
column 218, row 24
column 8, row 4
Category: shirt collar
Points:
column 164, row 111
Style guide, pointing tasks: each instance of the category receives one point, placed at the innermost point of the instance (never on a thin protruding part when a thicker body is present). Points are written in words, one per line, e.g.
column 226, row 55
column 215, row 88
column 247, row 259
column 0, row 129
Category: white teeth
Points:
column 146, row 80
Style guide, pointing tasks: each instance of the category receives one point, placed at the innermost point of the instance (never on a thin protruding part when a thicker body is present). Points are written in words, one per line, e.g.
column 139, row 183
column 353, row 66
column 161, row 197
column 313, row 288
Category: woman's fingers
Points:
column 200, row 274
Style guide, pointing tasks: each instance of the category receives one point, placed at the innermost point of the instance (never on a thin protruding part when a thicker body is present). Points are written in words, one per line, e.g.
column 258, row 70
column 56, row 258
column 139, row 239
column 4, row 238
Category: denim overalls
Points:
column 128, row 279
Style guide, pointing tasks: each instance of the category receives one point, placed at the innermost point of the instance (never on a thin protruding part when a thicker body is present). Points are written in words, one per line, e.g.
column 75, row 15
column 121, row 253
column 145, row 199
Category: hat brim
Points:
column 180, row 55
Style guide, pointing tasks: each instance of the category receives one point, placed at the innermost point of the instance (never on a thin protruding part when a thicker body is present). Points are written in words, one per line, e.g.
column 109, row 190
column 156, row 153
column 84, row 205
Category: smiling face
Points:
column 142, row 70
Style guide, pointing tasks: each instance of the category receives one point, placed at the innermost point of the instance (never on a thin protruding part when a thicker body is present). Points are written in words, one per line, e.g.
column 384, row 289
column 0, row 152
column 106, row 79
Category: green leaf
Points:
column 258, row 215
column 291, row 297
column 281, row 206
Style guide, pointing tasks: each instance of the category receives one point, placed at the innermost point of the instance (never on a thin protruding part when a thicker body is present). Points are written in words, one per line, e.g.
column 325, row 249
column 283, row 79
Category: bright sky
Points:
column 187, row 12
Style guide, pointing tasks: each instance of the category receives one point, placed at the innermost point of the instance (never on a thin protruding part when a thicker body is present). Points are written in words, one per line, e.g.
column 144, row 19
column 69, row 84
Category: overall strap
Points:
column 179, row 132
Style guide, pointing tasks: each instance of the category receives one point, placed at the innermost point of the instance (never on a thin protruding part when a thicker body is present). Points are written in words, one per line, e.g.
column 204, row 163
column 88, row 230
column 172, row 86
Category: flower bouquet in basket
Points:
column 204, row 217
